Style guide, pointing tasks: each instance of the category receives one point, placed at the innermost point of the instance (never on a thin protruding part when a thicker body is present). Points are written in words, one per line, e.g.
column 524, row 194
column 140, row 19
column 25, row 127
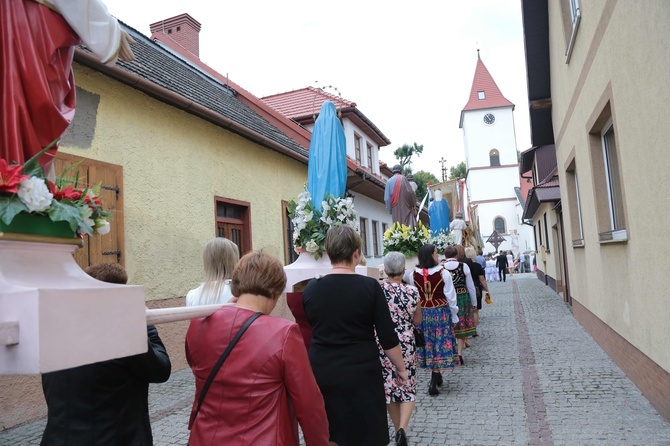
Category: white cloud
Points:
column 408, row 65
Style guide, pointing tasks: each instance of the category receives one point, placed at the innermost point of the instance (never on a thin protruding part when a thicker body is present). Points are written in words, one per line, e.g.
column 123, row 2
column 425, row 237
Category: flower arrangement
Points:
column 25, row 190
column 404, row 239
column 310, row 226
column 442, row 240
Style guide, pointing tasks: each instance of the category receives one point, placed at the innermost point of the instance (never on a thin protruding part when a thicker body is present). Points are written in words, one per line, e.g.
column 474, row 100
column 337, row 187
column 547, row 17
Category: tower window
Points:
column 499, row 225
column 170, row 31
column 494, row 157
column 481, row 95
column 178, row 28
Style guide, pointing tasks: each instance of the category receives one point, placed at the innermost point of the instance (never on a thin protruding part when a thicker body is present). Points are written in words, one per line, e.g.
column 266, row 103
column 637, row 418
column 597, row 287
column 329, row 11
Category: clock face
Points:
column 489, row 119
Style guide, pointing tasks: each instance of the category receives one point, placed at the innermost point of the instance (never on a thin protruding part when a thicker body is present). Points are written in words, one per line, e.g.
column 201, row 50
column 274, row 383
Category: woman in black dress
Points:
column 344, row 309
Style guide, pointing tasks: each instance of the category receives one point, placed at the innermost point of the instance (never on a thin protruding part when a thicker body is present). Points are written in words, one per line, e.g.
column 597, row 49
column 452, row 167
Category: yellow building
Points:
column 182, row 157
column 597, row 75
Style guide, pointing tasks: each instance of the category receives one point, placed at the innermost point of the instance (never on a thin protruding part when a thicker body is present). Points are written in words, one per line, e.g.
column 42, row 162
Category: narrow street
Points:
column 532, row 377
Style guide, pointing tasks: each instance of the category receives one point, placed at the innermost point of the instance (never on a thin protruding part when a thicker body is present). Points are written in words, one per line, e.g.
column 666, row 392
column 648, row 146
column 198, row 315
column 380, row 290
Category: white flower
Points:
column 86, row 214
column 311, row 247
column 102, row 226
column 35, row 194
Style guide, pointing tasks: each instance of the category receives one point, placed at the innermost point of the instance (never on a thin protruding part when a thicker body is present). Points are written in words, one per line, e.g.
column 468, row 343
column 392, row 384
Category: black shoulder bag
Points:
column 219, row 363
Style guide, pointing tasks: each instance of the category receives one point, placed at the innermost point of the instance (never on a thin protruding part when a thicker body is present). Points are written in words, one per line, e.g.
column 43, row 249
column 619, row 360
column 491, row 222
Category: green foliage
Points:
column 9, row 207
column 404, row 155
column 421, row 178
column 458, row 171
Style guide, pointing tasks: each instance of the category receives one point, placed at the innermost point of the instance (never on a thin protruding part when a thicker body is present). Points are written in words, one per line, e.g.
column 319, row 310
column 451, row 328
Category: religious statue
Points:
column 412, row 183
column 457, row 227
column 327, row 164
column 400, row 198
column 438, row 211
column 37, row 42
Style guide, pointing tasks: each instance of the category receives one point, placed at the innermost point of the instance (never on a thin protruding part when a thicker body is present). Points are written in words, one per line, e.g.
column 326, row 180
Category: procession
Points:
column 185, row 262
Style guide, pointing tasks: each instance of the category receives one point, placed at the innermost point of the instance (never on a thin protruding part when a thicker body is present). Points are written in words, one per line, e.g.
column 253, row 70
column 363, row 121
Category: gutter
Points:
column 179, row 101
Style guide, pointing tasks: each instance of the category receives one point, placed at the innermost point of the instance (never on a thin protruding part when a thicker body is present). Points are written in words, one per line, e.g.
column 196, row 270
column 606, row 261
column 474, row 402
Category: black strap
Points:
column 223, row 357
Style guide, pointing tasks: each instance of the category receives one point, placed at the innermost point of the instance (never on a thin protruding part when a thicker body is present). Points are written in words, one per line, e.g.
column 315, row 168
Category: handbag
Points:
column 219, row 363
column 419, row 338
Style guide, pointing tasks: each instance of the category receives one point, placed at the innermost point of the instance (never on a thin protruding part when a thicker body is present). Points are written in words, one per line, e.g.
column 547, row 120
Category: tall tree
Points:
column 404, row 155
column 458, row 171
column 421, row 178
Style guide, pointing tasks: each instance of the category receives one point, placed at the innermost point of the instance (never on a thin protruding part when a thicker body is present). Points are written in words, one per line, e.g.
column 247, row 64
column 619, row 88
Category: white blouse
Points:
column 469, row 283
column 195, row 297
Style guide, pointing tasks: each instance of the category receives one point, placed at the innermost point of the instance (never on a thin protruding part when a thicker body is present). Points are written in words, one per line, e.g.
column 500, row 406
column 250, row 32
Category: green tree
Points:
column 458, row 171
column 404, row 155
column 421, row 178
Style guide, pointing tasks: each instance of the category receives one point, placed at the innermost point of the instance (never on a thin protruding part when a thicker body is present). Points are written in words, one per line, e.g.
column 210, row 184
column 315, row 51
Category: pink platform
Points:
column 65, row 317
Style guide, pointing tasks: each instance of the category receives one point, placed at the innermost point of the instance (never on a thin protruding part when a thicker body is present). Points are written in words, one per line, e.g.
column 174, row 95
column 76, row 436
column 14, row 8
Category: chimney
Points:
column 182, row 29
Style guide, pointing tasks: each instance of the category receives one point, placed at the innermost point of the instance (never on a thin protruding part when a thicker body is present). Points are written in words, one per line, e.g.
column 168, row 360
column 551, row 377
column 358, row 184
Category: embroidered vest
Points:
column 432, row 290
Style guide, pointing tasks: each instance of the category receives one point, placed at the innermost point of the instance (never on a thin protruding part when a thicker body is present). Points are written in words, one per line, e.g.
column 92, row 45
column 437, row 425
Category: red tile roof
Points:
column 305, row 102
column 484, row 82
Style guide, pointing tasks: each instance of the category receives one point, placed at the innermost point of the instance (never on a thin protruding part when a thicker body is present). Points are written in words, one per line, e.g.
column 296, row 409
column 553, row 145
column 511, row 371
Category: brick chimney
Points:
column 182, row 30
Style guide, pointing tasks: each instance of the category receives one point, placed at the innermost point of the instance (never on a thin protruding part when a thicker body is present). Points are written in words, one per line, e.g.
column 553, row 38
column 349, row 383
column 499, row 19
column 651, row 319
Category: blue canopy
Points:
column 327, row 166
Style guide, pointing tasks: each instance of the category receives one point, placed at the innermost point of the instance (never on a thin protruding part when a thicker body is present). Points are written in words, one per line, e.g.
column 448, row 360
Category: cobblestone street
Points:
column 532, row 377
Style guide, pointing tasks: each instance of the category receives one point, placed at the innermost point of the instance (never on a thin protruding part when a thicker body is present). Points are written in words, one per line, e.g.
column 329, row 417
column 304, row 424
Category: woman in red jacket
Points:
column 266, row 382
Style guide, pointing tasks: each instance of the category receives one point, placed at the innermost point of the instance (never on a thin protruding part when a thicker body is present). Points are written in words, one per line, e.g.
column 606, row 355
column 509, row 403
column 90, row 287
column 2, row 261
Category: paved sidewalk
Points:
column 532, row 377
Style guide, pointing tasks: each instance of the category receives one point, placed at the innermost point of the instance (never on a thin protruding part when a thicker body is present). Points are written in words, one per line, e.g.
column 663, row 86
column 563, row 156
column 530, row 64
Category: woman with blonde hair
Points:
column 219, row 259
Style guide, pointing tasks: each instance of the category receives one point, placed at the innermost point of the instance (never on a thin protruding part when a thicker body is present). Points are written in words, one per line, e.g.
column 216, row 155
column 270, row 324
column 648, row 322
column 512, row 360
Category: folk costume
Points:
column 467, row 297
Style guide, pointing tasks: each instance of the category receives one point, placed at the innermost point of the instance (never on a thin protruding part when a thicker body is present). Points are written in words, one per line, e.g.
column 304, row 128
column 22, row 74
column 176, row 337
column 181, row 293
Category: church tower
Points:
column 492, row 179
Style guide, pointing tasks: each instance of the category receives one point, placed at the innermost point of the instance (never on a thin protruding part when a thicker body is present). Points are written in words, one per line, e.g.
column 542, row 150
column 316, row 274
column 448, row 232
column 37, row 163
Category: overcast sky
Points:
column 408, row 66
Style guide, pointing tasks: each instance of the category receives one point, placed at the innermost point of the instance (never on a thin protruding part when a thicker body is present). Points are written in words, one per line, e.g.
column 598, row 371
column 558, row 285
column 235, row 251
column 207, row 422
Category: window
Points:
column 375, row 238
column 369, row 151
column 572, row 16
column 613, row 179
column 494, row 157
column 606, row 166
column 481, row 95
column 364, row 235
column 357, row 148
column 499, row 225
column 546, row 233
column 539, row 234
column 575, row 206
column 233, row 222
column 178, row 28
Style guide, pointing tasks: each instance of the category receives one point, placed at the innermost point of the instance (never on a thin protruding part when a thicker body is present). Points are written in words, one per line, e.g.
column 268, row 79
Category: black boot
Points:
column 401, row 437
column 439, row 380
column 432, row 388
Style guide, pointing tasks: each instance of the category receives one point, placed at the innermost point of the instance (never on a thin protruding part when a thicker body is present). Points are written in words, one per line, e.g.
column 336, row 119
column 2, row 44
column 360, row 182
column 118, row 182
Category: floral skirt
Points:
column 466, row 325
column 440, row 351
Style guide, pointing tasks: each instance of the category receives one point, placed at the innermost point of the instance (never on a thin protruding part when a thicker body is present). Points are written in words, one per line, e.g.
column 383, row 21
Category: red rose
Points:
column 10, row 177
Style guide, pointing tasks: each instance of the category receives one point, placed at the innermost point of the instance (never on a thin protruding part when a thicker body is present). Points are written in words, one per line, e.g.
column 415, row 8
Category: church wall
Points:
column 618, row 58
column 480, row 139
column 487, row 212
column 491, row 184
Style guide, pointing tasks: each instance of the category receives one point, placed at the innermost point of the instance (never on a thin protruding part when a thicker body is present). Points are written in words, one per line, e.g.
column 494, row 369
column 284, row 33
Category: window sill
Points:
column 618, row 236
column 579, row 243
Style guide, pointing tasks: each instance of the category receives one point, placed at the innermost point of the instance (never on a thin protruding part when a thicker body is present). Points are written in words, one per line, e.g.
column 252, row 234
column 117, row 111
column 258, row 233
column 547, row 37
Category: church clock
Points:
column 489, row 119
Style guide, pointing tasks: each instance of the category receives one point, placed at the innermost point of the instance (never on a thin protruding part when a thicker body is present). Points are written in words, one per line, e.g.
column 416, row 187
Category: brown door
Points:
column 106, row 248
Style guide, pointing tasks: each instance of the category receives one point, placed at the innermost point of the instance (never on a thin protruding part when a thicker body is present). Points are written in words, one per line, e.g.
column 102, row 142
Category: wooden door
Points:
column 106, row 248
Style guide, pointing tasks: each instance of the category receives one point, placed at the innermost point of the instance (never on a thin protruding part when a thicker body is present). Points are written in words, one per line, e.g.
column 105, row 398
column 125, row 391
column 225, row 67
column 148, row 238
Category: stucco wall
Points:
column 174, row 164
column 621, row 53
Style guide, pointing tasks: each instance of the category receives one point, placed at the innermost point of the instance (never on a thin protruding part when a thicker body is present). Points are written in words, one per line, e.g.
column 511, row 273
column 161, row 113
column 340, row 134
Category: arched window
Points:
column 494, row 157
column 499, row 225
